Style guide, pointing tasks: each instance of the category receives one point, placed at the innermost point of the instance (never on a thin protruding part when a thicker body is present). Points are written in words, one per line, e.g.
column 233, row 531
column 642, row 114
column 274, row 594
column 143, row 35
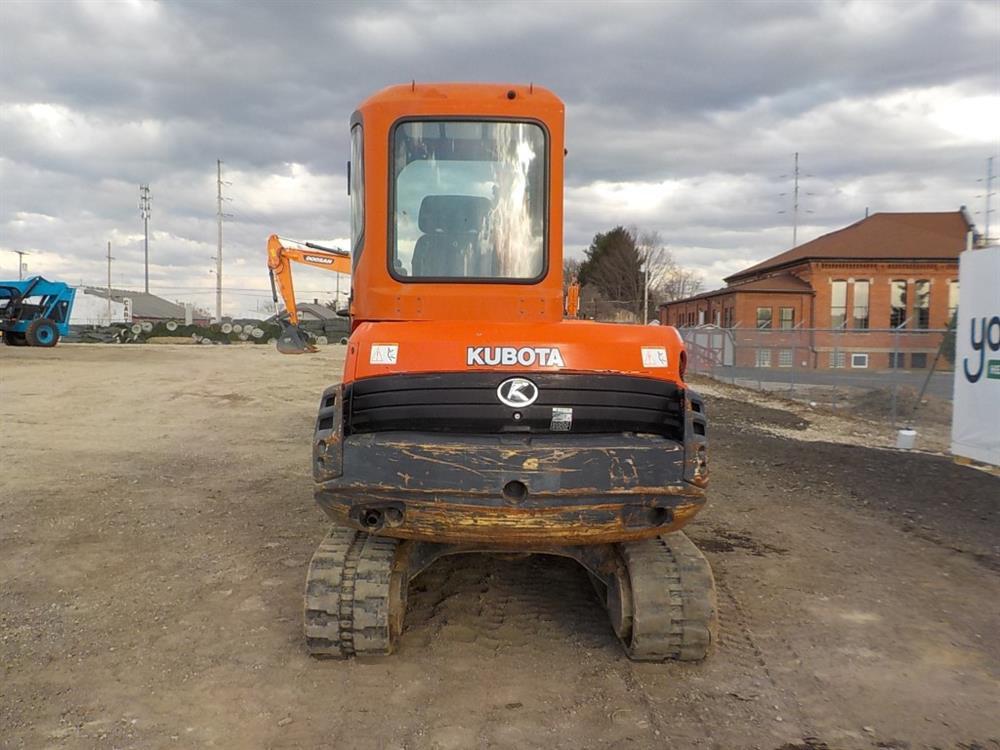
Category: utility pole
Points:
column 109, row 281
column 989, row 194
column 645, row 289
column 144, row 199
column 218, row 257
column 796, row 175
column 20, row 263
column 795, row 205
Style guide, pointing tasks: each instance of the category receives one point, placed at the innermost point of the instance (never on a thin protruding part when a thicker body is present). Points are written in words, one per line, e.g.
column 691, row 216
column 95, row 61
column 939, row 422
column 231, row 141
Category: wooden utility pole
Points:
column 109, row 281
column 218, row 256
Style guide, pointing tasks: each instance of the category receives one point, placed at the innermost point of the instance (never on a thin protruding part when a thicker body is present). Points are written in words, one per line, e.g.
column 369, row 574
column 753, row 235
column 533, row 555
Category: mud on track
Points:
column 156, row 519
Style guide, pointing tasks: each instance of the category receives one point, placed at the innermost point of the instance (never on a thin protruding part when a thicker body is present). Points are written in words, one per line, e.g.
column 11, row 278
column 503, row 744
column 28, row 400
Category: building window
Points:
column 897, row 304
column 837, row 359
column 786, row 317
column 838, row 304
column 918, row 360
column 952, row 300
column 763, row 358
column 763, row 317
column 897, row 360
column 859, row 360
column 727, row 318
column 922, row 304
column 785, row 358
column 860, row 305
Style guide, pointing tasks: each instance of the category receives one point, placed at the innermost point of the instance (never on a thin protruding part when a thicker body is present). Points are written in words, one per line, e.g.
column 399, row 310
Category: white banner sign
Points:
column 974, row 426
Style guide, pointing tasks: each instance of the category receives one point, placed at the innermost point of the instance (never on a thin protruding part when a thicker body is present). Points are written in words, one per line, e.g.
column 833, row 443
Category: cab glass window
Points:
column 469, row 200
column 357, row 187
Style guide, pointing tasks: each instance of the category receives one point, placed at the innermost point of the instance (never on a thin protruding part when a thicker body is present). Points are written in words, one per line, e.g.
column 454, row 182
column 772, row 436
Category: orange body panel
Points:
column 377, row 296
column 444, row 320
column 567, row 346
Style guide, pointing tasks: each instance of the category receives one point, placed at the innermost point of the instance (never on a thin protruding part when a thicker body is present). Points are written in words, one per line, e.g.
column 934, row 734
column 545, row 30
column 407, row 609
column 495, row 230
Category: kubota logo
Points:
column 517, row 392
column 525, row 356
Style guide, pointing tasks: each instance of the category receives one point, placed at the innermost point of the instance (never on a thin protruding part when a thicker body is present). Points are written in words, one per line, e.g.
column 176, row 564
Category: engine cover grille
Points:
column 467, row 402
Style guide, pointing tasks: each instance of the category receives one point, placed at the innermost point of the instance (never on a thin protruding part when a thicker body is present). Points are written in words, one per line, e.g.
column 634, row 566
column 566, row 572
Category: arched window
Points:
column 860, row 305
column 838, row 304
column 897, row 303
column 922, row 304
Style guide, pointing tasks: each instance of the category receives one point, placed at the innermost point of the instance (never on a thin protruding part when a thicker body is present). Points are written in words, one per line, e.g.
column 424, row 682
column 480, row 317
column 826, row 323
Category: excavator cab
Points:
column 472, row 415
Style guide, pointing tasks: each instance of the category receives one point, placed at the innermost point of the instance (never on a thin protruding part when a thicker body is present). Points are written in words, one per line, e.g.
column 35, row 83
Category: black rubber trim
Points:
column 467, row 402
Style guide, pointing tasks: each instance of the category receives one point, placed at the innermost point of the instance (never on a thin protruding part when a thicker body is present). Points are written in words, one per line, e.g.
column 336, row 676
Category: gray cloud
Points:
column 681, row 117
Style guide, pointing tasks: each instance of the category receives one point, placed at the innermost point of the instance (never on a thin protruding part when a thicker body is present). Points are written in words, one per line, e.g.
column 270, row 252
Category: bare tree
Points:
column 665, row 279
column 678, row 284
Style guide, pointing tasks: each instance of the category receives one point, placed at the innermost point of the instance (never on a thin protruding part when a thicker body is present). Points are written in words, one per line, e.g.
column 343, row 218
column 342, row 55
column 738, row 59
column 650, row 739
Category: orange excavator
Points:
column 293, row 340
column 471, row 414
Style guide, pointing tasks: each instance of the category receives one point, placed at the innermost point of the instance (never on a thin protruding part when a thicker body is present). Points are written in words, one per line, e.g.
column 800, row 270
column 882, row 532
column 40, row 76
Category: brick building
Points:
column 845, row 299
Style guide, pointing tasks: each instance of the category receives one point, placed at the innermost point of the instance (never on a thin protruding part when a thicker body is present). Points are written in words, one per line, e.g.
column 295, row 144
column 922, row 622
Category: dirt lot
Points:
column 156, row 519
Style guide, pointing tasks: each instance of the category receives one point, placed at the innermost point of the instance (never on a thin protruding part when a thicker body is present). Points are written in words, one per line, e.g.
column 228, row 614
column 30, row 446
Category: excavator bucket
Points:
column 293, row 340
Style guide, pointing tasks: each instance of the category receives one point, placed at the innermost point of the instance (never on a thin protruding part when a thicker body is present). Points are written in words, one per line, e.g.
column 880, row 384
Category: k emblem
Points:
column 517, row 392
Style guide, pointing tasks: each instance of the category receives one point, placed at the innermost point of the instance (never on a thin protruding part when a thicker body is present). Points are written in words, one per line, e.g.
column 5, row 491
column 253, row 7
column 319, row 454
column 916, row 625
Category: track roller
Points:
column 663, row 605
column 355, row 598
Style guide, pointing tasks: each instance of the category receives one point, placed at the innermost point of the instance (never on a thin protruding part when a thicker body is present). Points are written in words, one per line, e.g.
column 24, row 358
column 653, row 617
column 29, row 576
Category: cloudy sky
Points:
column 682, row 117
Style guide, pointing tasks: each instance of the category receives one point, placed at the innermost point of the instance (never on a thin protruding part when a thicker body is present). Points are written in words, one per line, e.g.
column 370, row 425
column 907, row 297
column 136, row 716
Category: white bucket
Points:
column 906, row 439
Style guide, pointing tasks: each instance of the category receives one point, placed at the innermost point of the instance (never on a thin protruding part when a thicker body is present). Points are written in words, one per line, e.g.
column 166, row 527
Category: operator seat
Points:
column 450, row 243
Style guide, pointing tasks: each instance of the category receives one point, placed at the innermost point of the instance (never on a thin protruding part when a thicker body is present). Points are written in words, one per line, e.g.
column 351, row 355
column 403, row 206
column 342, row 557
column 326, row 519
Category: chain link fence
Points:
column 886, row 373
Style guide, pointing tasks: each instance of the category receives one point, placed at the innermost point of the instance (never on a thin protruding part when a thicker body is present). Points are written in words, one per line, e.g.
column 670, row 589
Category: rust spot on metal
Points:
column 520, row 526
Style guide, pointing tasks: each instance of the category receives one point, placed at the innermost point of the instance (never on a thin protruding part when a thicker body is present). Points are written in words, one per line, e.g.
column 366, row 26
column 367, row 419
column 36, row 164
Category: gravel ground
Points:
column 156, row 519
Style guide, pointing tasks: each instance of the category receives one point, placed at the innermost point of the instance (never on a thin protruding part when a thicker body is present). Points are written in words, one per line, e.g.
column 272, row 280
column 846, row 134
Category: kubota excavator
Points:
column 471, row 416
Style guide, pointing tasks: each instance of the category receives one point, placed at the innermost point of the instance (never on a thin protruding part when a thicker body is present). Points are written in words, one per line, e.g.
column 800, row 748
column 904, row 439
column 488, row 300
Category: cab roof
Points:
column 467, row 95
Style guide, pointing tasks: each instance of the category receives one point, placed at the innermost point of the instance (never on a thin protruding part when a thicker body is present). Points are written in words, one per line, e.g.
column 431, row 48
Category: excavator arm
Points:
column 573, row 299
column 293, row 340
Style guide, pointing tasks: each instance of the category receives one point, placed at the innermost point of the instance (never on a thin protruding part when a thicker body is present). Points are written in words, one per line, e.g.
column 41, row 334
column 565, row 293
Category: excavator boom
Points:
column 293, row 340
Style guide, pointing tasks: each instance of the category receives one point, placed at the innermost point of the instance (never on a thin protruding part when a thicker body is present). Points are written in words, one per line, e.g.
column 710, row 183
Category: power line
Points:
column 246, row 290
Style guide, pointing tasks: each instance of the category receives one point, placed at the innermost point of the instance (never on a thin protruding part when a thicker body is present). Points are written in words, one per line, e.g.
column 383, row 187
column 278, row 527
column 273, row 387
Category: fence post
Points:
column 834, row 365
column 895, row 375
column 927, row 380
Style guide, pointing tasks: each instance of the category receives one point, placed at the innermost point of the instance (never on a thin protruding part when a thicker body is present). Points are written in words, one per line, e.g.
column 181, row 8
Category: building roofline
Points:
column 737, row 289
column 767, row 265
column 742, row 276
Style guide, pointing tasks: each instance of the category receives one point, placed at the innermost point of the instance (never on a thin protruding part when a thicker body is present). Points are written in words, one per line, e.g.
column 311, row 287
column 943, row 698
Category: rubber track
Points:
column 347, row 595
column 674, row 601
